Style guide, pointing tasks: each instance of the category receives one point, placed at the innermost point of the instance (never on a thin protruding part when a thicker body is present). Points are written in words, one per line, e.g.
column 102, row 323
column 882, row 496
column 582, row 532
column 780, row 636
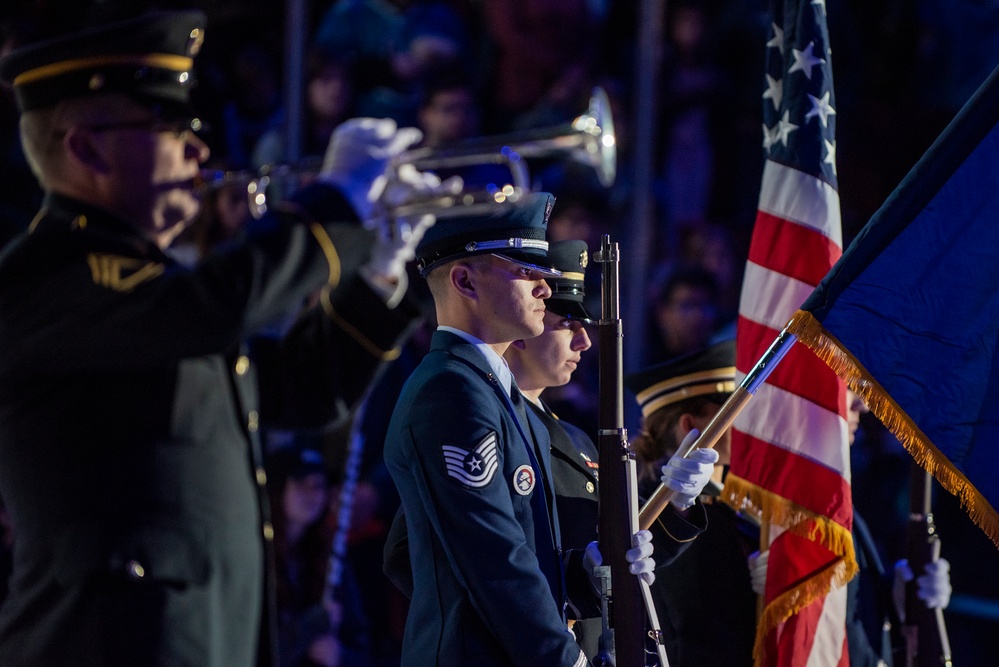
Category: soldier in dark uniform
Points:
column 128, row 409
column 549, row 360
column 705, row 598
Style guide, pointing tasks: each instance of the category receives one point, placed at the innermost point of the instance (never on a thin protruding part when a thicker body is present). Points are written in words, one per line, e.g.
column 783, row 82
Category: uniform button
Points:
column 242, row 364
column 268, row 530
column 252, row 421
column 135, row 569
column 261, row 477
column 589, row 487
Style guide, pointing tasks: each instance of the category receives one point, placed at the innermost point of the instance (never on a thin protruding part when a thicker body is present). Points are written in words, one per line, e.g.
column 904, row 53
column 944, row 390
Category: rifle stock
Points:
column 924, row 631
column 618, row 506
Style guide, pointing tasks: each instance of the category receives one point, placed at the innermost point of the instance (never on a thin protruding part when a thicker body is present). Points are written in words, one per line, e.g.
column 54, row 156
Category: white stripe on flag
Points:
column 771, row 298
column 799, row 197
column 797, row 425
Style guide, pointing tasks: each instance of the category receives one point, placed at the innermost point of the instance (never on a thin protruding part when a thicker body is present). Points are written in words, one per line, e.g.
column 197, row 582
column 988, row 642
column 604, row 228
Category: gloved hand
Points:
column 688, row 476
column 396, row 238
column 758, row 570
column 932, row 587
column 358, row 152
column 639, row 557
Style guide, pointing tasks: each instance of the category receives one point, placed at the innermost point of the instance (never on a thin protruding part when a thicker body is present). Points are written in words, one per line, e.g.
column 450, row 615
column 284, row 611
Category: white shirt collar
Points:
column 496, row 362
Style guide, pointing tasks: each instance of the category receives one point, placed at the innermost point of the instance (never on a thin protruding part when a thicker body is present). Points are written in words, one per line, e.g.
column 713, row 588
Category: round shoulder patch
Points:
column 523, row 479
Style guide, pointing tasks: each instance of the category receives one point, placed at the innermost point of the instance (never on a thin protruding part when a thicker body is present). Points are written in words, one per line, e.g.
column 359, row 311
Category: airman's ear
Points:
column 462, row 281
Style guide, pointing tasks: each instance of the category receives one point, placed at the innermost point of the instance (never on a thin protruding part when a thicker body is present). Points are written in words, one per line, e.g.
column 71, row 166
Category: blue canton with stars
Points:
column 799, row 109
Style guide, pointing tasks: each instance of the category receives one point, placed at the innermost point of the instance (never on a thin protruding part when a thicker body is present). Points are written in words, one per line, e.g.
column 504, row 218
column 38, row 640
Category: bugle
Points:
column 589, row 140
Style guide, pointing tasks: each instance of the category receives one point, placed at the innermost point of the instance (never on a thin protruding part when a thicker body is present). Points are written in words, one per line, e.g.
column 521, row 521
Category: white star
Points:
column 822, row 4
column 820, row 108
column 778, row 38
column 784, row 128
column 474, row 464
column 830, row 154
column 774, row 91
column 804, row 61
column 769, row 136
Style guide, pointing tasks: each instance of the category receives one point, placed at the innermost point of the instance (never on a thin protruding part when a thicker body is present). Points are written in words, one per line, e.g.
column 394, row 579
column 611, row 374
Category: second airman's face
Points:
column 550, row 359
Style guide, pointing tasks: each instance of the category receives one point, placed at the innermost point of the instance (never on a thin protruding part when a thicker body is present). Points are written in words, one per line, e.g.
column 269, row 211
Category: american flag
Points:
column 790, row 452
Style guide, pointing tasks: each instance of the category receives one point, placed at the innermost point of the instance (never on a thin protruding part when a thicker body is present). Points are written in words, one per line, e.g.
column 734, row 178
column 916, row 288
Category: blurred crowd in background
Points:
column 464, row 68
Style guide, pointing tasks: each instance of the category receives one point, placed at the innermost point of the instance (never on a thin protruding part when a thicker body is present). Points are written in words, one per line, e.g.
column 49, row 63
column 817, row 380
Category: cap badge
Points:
column 584, row 259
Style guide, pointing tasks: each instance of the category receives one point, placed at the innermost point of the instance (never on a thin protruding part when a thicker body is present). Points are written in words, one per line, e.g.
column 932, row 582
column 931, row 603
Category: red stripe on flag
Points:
column 792, row 249
column 797, row 636
column 801, row 372
column 802, row 481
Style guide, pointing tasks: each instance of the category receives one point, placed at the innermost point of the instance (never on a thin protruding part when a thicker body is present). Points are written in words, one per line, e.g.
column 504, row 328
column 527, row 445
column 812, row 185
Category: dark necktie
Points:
column 520, row 406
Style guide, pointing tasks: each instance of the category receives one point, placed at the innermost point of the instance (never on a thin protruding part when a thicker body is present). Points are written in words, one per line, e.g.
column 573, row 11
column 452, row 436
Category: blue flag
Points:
column 909, row 316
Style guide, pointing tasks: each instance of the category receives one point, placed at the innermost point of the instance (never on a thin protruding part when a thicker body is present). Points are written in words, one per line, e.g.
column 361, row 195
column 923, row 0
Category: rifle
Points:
column 625, row 599
column 924, row 631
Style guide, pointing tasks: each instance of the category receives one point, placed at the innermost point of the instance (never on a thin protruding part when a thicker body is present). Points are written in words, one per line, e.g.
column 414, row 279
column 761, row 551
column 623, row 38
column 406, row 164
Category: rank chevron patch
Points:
column 475, row 468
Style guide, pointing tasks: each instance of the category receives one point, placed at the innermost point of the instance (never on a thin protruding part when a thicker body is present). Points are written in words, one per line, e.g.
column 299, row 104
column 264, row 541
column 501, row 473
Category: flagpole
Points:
column 721, row 422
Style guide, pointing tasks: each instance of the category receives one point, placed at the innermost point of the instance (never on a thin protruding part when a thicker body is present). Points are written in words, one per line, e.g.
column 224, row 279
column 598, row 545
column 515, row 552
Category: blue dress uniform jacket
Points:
column 129, row 458
column 481, row 523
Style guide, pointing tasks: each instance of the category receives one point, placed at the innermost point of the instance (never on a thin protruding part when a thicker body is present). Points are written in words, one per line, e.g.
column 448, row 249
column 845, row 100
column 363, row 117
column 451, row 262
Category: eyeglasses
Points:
column 179, row 127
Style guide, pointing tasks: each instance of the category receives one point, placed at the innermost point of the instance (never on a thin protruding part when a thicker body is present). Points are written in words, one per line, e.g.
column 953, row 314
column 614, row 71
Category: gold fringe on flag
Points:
column 811, row 332
column 766, row 506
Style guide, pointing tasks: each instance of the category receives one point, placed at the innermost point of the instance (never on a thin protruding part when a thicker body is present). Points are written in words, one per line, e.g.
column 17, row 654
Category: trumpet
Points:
column 588, row 140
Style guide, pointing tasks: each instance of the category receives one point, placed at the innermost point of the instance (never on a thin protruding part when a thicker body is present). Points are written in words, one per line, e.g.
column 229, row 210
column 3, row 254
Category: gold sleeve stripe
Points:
column 332, row 257
column 360, row 338
column 663, row 526
column 162, row 60
column 687, row 392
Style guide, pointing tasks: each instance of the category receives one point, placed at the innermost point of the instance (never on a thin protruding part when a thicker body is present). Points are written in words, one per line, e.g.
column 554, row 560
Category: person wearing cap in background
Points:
column 317, row 625
column 128, row 410
column 705, row 603
column 472, row 463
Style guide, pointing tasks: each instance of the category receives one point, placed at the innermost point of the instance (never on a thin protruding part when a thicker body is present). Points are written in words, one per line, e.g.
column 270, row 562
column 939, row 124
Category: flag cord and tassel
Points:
column 810, row 332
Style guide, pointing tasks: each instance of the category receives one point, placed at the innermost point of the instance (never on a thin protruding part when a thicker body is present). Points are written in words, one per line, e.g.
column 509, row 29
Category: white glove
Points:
column 758, row 571
column 358, row 152
column 932, row 587
column 688, row 476
column 639, row 558
column 396, row 239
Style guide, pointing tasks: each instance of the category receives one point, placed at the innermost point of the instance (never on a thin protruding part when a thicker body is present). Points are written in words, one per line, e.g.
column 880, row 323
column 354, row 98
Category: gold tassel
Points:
column 811, row 332
column 763, row 505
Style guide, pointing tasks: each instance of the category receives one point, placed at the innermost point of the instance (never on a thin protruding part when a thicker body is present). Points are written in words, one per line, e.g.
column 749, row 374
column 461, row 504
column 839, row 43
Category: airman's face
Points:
column 511, row 299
